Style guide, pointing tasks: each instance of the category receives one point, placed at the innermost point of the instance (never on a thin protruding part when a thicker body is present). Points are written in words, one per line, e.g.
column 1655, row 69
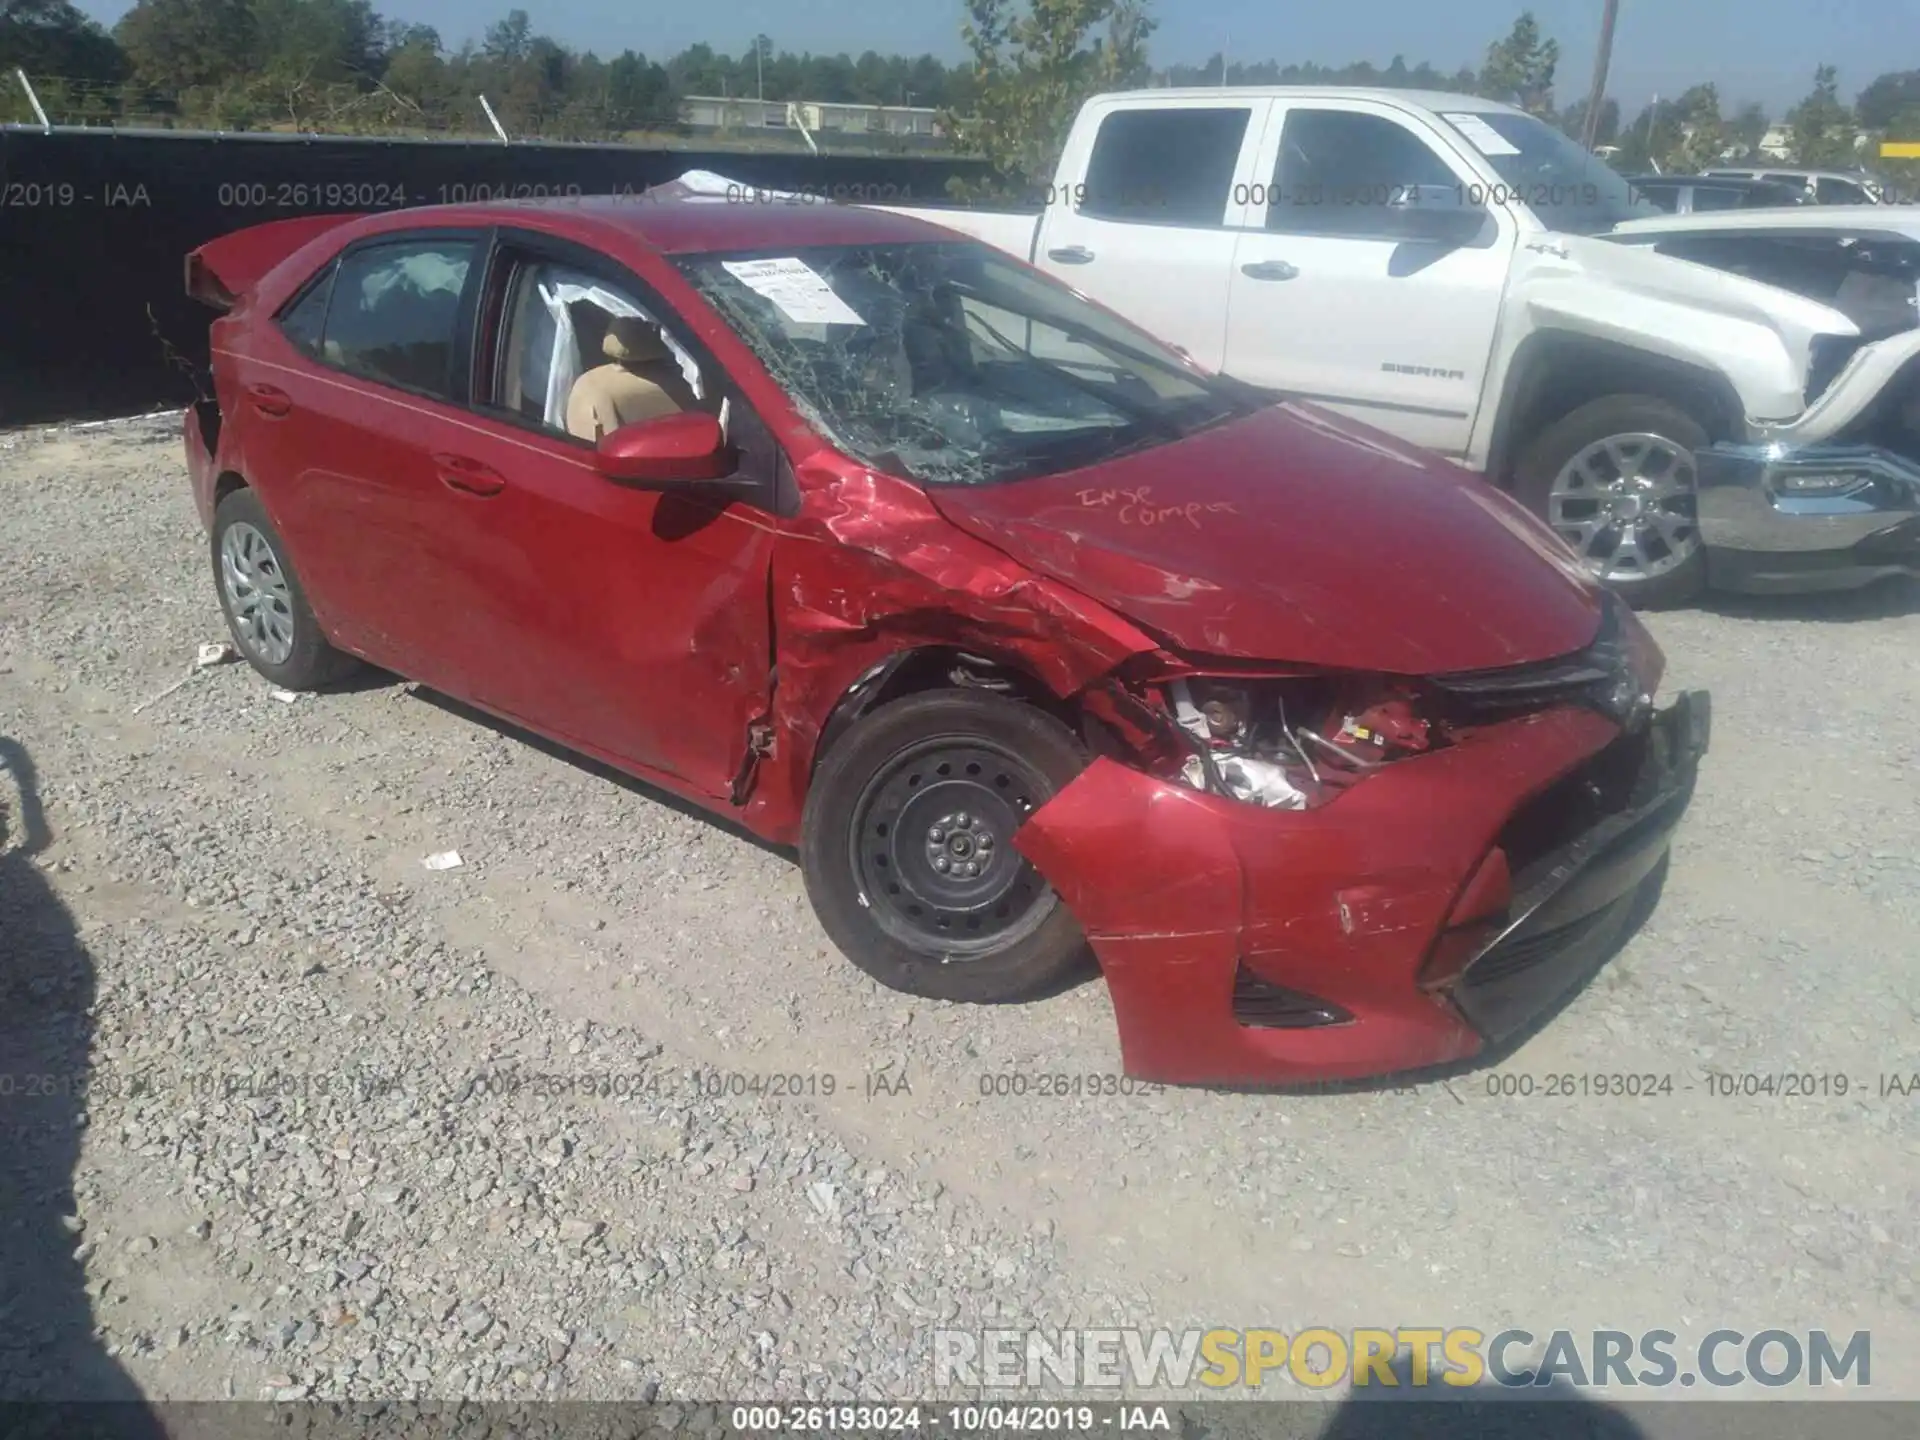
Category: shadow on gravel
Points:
column 47, row 1347
column 1887, row 600
column 1524, row 1411
column 460, row 710
column 1084, row 973
column 1483, row 1412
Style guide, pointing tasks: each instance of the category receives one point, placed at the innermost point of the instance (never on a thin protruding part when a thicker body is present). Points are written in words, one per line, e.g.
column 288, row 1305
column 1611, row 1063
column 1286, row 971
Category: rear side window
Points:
column 1339, row 169
column 1165, row 167
column 305, row 320
column 1839, row 192
column 394, row 311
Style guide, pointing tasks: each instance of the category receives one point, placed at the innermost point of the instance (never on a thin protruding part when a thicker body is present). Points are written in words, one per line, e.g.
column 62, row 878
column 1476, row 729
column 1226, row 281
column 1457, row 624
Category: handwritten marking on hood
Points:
column 1138, row 507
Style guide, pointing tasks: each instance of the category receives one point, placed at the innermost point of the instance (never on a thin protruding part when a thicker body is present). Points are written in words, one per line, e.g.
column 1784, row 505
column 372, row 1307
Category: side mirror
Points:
column 1435, row 215
column 667, row 451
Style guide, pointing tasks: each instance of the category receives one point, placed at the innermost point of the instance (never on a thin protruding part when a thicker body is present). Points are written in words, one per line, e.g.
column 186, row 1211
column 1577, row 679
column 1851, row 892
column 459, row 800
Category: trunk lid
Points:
column 221, row 271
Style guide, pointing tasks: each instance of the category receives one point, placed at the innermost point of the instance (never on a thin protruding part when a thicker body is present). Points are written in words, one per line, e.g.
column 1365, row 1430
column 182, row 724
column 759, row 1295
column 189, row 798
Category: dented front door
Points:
column 628, row 623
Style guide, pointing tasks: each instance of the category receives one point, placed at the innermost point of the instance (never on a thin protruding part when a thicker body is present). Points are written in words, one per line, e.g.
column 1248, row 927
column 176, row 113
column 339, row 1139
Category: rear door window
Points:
column 394, row 313
column 1165, row 167
column 304, row 321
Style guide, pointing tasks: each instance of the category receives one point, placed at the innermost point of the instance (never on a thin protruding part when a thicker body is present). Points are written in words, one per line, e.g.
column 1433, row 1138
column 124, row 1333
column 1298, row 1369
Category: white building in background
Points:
column 1777, row 143
column 732, row 112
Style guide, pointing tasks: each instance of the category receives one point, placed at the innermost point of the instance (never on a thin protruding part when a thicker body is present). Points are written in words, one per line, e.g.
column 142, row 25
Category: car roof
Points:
column 1443, row 100
column 681, row 227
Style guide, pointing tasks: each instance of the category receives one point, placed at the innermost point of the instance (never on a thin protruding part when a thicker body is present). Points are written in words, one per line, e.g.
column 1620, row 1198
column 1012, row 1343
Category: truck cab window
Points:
column 1165, row 167
column 1338, row 170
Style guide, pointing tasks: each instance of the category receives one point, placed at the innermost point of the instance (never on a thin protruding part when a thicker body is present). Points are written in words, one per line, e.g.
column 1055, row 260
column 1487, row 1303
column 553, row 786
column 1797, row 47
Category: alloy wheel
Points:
column 258, row 595
column 1627, row 506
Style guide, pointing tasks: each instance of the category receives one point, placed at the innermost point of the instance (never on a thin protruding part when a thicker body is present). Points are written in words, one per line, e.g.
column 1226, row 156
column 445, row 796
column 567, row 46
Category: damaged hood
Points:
column 1293, row 535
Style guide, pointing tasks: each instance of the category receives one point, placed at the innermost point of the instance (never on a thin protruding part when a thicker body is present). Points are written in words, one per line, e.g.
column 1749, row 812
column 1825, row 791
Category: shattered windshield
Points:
column 951, row 365
column 1569, row 188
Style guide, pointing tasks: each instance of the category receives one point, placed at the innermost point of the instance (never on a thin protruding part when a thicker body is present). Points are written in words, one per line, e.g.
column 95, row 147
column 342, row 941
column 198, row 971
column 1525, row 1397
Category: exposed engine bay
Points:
column 1292, row 745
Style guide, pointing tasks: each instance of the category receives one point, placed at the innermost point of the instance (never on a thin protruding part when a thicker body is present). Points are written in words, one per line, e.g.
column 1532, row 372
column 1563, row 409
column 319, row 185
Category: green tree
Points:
column 1032, row 70
column 1519, row 69
column 1823, row 129
column 318, row 41
column 1749, row 128
column 1887, row 100
column 52, row 38
column 175, row 46
column 1573, row 121
column 639, row 94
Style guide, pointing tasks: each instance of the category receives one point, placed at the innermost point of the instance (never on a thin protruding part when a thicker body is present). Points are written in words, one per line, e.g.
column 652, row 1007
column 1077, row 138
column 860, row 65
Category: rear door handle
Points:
column 1269, row 270
column 457, row 472
column 1071, row 254
column 270, row 400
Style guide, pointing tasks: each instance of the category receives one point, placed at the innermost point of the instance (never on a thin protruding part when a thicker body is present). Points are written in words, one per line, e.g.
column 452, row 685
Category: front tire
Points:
column 272, row 625
column 1616, row 480
column 906, row 847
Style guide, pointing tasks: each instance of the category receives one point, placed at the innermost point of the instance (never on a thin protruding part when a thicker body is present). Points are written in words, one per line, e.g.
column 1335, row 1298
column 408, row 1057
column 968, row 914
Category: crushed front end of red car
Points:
column 1357, row 889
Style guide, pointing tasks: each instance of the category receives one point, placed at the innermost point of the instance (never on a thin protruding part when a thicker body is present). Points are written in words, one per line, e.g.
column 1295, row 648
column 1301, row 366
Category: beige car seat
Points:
column 640, row 381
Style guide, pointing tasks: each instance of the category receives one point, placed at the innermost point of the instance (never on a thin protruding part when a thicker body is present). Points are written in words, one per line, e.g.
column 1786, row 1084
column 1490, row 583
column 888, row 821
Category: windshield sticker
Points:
column 1482, row 136
column 796, row 288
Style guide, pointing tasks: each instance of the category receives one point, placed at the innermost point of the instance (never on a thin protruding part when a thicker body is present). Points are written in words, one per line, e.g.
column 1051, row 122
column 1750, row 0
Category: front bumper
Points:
column 1777, row 519
column 1244, row 946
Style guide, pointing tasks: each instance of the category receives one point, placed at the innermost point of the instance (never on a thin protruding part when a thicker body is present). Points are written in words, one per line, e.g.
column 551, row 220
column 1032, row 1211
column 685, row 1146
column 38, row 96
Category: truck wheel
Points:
column 1615, row 479
column 907, row 849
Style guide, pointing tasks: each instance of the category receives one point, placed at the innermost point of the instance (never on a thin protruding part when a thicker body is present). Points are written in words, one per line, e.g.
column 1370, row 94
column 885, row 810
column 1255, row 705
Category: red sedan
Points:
column 1029, row 634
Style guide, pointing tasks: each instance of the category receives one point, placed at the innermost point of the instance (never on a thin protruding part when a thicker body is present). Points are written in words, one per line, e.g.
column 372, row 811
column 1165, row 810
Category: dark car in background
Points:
column 1684, row 194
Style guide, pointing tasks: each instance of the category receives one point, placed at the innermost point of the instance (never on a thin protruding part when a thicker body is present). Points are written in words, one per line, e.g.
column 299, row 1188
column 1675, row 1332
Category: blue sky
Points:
column 1754, row 49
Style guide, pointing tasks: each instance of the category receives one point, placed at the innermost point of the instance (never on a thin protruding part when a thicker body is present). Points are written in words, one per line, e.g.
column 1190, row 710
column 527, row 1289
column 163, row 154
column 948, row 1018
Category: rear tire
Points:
column 272, row 625
column 1615, row 479
column 906, row 847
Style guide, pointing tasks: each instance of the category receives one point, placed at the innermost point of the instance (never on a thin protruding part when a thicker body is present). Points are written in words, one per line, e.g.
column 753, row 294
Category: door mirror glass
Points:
column 671, row 449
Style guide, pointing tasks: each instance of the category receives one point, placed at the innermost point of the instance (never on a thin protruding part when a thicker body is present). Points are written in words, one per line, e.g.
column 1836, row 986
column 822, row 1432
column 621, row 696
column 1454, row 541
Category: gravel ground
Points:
column 280, row 1149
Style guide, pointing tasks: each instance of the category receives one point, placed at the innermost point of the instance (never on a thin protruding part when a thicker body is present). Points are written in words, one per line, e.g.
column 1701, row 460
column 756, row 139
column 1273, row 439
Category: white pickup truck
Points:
column 1729, row 398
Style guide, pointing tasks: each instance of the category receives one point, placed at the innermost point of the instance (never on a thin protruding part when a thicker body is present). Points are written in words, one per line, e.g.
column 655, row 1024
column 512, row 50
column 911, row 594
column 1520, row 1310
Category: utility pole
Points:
column 1590, row 132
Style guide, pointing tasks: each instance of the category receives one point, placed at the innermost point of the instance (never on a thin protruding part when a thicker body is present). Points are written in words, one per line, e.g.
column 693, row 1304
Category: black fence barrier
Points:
column 95, row 227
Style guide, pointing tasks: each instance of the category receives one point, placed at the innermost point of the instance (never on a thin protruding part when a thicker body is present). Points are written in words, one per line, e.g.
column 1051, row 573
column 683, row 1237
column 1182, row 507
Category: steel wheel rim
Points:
column 957, row 801
column 258, row 595
column 1626, row 504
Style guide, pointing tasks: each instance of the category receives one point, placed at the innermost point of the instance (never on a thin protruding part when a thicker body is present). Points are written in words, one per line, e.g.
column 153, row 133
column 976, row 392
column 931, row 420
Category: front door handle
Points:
column 1071, row 254
column 457, row 472
column 1269, row 270
column 270, row 400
